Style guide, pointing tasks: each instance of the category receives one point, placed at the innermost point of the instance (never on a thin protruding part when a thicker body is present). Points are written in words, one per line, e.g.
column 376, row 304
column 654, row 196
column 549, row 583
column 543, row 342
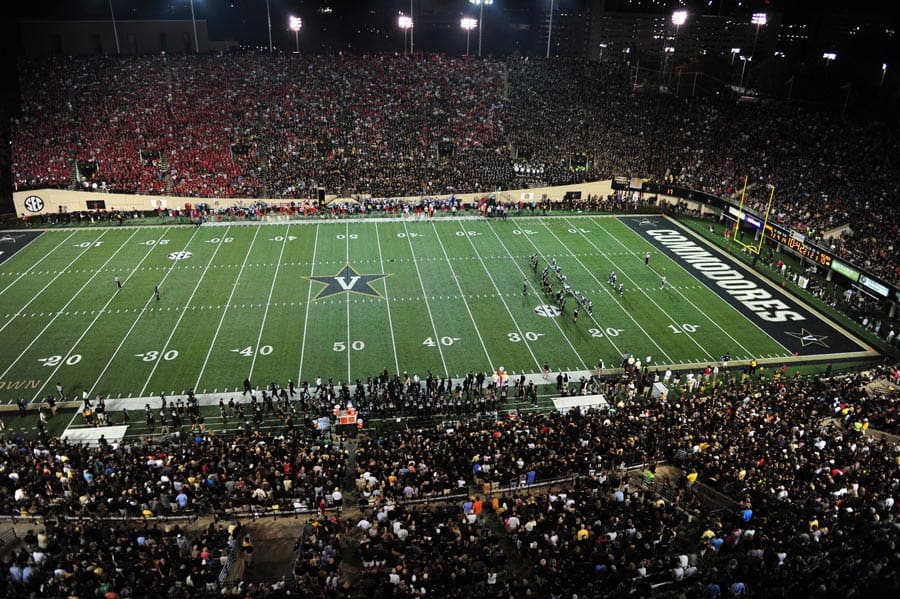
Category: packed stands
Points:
column 279, row 126
column 745, row 486
column 804, row 494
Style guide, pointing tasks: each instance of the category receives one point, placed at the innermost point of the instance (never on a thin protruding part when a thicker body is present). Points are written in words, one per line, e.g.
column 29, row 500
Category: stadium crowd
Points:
column 88, row 557
column 279, row 126
column 799, row 500
column 805, row 496
column 234, row 126
column 191, row 473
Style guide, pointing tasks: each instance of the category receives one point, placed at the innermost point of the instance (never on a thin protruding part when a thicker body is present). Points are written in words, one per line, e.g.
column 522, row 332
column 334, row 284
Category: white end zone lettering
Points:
column 726, row 277
column 780, row 315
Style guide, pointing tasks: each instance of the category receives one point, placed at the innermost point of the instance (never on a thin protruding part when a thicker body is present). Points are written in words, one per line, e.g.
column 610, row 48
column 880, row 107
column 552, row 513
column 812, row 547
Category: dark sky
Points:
column 245, row 20
column 372, row 24
column 358, row 25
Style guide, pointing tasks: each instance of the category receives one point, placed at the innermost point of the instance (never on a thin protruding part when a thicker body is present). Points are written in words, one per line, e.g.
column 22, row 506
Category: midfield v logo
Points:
column 345, row 285
column 347, row 280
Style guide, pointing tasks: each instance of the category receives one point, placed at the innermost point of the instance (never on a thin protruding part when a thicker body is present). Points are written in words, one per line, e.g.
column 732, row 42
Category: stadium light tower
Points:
column 194, row 21
column 295, row 24
column 745, row 60
column 269, row 22
column 405, row 23
column 829, row 57
column 550, row 29
column 759, row 19
column 468, row 24
column 883, row 73
column 116, row 31
column 667, row 52
column 480, row 4
column 734, row 52
column 679, row 18
column 603, row 45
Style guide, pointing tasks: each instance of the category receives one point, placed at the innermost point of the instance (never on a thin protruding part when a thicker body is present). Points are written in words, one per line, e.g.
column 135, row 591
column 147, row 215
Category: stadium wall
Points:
column 50, row 201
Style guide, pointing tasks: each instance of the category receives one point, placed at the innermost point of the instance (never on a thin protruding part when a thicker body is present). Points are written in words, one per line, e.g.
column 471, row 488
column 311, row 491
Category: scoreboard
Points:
column 798, row 244
column 794, row 241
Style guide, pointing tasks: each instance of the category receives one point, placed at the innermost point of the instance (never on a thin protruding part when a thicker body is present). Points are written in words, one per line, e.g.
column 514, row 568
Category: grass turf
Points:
column 272, row 302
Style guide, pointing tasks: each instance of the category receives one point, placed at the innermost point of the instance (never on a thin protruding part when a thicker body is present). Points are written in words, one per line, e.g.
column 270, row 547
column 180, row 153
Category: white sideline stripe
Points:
column 697, row 308
column 52, row 320
column 312, row 272
column 108, row 302
column 625, row 274
column 183, row 312
column 53, row 280
column 211, row 399
column 225, row 311
column 32, row 267
column 497, row 289
column 143, row 310
column 262, row 326
column 387, row 302
column 340, row 221
column 427, row 304
column 465, row 303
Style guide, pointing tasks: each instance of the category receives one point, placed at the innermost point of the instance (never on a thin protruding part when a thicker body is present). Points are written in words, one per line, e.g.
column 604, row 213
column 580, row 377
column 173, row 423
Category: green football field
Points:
column 348, row 299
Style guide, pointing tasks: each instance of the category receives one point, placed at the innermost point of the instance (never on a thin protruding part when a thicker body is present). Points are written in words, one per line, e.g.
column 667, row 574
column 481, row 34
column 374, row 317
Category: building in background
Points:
column 45, row 38
column 799, row 51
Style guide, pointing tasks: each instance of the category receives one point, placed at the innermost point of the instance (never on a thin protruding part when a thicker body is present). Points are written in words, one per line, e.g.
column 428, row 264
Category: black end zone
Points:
column 13, row 241
column 786, row 319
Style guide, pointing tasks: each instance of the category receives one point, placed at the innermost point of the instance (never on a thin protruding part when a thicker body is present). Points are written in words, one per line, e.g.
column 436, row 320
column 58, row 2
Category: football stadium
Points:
column 589, row 306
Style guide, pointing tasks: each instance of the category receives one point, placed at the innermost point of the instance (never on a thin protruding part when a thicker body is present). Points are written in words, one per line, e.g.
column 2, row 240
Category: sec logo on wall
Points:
column 34, row 203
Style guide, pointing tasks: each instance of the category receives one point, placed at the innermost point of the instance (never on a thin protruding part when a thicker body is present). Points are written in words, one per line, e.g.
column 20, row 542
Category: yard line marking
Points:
column 141, row 313
column 99, row 313
column 465, row 303
column 505, row 305
column 44, row 257
column 349, row 340
column 184, row 311
column 697, row 308
column 427, row 305
column 387, row 302
column 610, row 293
column 225, row 311
column 312, row 271
column 59, row 274
column 268, row 300
column 58, row 313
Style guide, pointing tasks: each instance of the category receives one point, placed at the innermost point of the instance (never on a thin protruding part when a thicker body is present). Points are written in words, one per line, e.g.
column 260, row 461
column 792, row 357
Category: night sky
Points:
column 328, row 23
column 371, row 25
